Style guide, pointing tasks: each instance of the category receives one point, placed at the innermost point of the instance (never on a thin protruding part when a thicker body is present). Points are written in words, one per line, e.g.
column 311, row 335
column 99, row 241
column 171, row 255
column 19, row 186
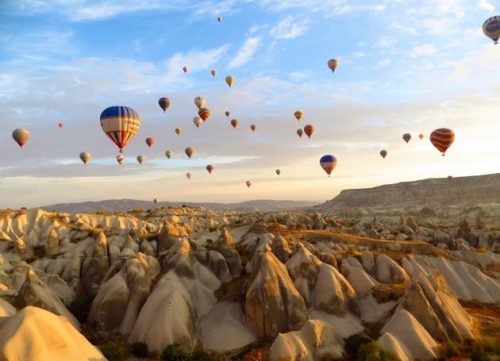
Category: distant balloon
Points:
column 213, row 72
column 300, row 132
column 150, row 141
column 178, row 131
column 253, row 127
column 228, row 113
column 491, row 28
column 169, row 154
column 189, row 152
column 60, row 125
column 120, row 124
column 230, row 80
column 235, row 122
column 298, row 114
column 210, row 168
column 199, row 102
column 333, row 64
column 85, row 157
column 219, row 19
column 420, row 136
column 156, row 201
column 442, row 139
column 188, row 175
column 21, row 136
column 185, row 69
column 248, row 183
column 278, row 172
column 328, row 163
column 309, row 130
column 140, row 159
column 164, row 103
column 204, row 114
column 406, row 137
column 197, row 121
column 383, row 153
column 120, row 159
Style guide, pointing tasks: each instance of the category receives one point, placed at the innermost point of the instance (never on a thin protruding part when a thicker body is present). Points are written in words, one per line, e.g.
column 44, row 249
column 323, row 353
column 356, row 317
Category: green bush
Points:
column 201, row 355
column 114, row 350
column 374, row 352
column 354, row 343
column 451, row 349
column 139, row 349
column 175, row 352
column 479, row 354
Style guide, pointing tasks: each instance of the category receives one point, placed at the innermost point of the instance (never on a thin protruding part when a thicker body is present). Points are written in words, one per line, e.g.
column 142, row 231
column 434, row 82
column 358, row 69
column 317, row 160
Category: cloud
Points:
column 423, row 50
column 384, row 62
column 246, row 52
column 486, row 5
column 385, row 42
column 289, row 28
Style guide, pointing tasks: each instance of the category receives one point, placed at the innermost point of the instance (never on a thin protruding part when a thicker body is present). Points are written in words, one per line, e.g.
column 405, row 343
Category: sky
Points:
column 405, row 66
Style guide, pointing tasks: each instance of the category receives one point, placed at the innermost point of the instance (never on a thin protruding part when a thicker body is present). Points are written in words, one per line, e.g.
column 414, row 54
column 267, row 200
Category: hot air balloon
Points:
column 185, row 69
column 333, row 64
column 156, row 201
column 328, row 163
column 140, row 159
column 85, row 157
column 210, row 168
column 309, row 130
column 235, row 122
column 120, row 159
column 189, row 152
column 219, row 19
column 383, row 153
column 442, row 139
column 120, row 124
column 298, row 115
column 60, row 125
column 150, row 141
column 178, row 131
column 420, row 136
column 406, row 137
column 213, row 72
column 253, row 127
column 164, row 103
column 248, row 183
column 300, row 132
column 21, row 136
column 229, row 80
column 169, row 154
column 197, row 121
column 188, row 175
column 228, row 113
column 278, row 172
column 199, row 102
column 204, row 114
column 491, row 28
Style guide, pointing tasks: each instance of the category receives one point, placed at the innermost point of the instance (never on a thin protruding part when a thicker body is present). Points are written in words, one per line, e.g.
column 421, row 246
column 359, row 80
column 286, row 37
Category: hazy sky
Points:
column 405, row 66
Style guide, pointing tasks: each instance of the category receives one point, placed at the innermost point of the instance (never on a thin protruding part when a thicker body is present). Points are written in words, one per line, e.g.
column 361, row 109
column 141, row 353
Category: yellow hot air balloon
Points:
column 21, row 136
column 140, row 159
column 333, row 64
column 420, row 136
column 199, row 102
column 197, row 121
column 85, row 157
column 189, row 152
column 230, row 80
column 298, row 114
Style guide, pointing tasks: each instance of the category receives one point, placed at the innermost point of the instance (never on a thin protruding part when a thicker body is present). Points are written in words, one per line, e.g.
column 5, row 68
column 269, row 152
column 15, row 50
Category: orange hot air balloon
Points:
column 442, row 139
column 333, row 64
column 383, row 153
column 253, row 127
column 150, row 141
column 309, row 130
column 21, row 136
column 300, row 132
column 420, row 136
column 178, row 131
column 298, row 114
column 210, row 168
column 228, row 113
column 213, row 72
column 406, row 137
column 185, row 69
column 248, row 183
column 120, row 124
column 230, row 80
column 60, row 125
column 189, row 152
column 188, row 175
column 204, row 113
column 235, row 122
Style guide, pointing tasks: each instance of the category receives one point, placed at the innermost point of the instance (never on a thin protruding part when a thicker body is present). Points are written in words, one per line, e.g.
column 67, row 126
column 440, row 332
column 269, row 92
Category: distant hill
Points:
column 123, row 205
column 432, row 193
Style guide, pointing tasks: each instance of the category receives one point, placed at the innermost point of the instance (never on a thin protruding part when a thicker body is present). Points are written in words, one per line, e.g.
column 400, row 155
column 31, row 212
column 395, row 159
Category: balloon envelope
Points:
column 60, row 125
column 300, row 132
column 278, row 172
column 298, row 115
column 21, row 136
column 120, row 124
column 383, row 153
column 199, row 102
column 178, row 131
column 150, row 141
column 309, row 130
column 213, row 72
column 491, row 28
column 420, row 136
column 248, row 183
column 228, row 113
column 85, row 157
column 189, row 152
column 442, row 139
column 328, row 163
column 169, row 154
column 210, row 168
column 230, row 80
column 406, row 137
column 120, row 159
column 188, row 175
column 204, row 113
column 333, row 64
column 164, row 103
column 185, row 69
column 140, row 159
column 253, row 127
column 235, row 122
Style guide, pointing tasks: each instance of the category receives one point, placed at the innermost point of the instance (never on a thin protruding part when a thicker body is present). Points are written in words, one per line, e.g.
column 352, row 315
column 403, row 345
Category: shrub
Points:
column 354, row 343
column 175, row 352
column 451, row 349
column 114, row 350
column 374, row 352
column 479, row 354
column 80, row 307
column 201, row 355
column 139, row 349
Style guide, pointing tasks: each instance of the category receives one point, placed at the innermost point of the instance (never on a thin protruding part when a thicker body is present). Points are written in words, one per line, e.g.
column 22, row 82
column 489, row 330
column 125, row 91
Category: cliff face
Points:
column 462, row 191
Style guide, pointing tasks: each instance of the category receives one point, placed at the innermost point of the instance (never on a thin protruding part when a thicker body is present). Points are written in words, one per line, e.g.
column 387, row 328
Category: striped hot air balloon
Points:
column 120, row 124
column 204, row 113
column 328, row 163
column 442, row 139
